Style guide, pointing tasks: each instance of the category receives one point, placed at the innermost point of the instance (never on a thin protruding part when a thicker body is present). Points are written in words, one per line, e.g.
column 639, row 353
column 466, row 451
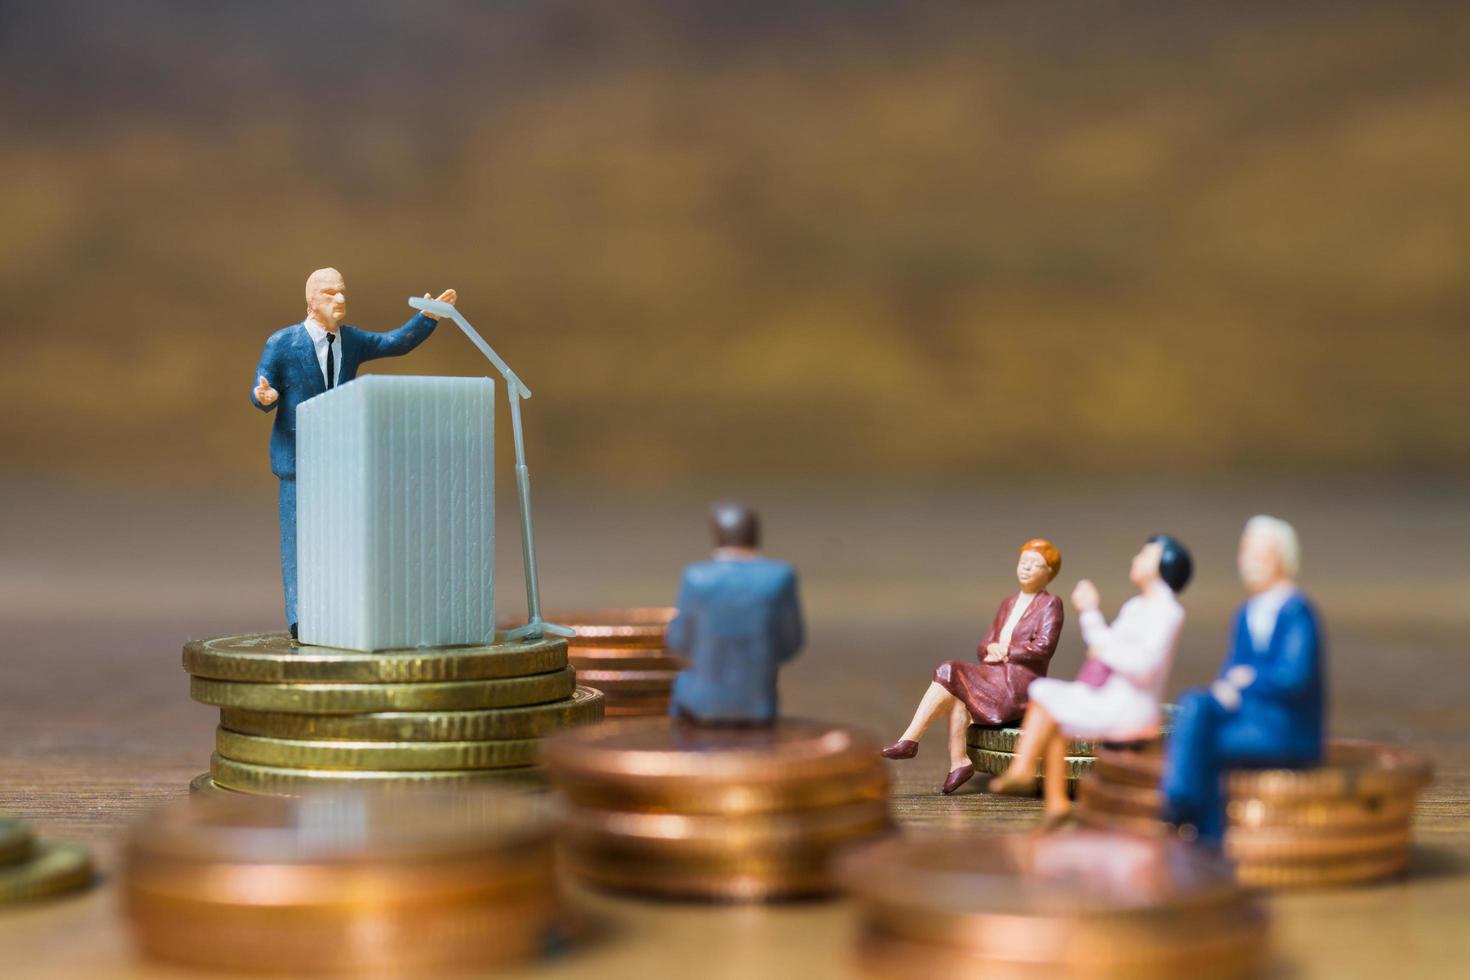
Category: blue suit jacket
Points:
column 289, row 363
column 739, row 620
column 1285, row 703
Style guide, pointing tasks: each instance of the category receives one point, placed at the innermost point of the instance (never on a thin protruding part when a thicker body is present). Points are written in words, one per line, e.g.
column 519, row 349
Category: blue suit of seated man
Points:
column 739, row 620
column 1267, row 708
column 294, row 367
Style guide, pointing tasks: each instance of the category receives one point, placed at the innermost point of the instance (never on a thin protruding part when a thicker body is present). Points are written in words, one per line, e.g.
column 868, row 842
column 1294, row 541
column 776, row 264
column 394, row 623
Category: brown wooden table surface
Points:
column 100, row 587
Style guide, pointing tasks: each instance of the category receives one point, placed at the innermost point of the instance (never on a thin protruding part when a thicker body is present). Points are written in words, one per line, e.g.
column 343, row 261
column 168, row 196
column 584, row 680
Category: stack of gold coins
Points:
column 621, row 652
column 740, row 814
column 1083, row 904
column 31, row 868
column 295, row 718
column 348, row 883
column 1349, row 820
column 992, row 749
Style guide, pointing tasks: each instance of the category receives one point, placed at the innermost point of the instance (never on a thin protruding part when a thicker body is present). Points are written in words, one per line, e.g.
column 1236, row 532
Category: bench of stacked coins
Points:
column 297, row 717
column 31, row 868
column 991, row 749
column 1348, row 820
column 621, row 653
column 680, row 810
column 1084, row 904
column 344, row 883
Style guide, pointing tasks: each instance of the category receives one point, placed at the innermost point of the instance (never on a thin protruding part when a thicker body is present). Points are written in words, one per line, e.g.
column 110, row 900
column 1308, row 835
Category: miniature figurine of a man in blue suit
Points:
column 1267, row 708
column 306, row 359
column 739, row 620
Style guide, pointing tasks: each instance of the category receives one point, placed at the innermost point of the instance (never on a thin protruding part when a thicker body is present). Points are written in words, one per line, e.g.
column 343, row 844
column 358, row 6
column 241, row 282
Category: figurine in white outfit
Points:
column 1116, row 696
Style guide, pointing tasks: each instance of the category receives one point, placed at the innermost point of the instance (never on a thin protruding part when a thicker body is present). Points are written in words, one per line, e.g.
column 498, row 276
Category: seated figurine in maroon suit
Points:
column 1016, row 650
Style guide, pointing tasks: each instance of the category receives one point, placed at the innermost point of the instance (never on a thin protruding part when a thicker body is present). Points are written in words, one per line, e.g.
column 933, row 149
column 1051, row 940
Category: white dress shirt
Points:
column 1261, row 611
column 319, row 341
column 1018, row 609
column 1139, row 647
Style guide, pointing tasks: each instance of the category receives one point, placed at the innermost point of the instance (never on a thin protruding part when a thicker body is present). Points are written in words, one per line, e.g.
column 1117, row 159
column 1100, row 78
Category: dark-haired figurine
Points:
column 304, row 360
column 739, row 620
column 1116, row 696
column 1266, row 710
column 1016, row 650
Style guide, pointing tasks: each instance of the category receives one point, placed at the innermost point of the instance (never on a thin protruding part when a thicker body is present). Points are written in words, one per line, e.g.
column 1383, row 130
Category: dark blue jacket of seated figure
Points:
column 1284, row 705
column 739, row 620
column 289, row 363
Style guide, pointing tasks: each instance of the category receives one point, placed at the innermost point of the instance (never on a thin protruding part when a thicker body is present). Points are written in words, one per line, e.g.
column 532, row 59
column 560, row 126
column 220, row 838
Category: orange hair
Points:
column 1048, row 551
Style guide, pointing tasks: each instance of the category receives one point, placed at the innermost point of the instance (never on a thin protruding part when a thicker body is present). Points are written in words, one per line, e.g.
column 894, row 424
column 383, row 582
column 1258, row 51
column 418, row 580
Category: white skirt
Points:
column 1116, row 712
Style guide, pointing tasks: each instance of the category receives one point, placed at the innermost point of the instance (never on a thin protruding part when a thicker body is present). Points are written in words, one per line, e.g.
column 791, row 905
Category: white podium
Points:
column 395, row 484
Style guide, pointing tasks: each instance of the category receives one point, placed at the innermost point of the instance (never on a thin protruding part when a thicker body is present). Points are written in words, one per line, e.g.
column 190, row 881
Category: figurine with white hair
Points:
column 304, row 360
column 1267, row 708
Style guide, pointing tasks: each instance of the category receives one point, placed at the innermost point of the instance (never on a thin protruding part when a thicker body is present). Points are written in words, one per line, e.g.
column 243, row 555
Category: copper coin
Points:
column 1030, row 875
column 732, row 798
column 1096, row 819
column 743, row 882
column 637, row 663
column 615, row 682
column 1337, row 871
column 1363, row 813
column 669, row 833
column 1282, row 847
column 1133, row 801
column 645, row 627
column 276, row 658
column 792, row 751
column 1352, row 768
column 883, row 956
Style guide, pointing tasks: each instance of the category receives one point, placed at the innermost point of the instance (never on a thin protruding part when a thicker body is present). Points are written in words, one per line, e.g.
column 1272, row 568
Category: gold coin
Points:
column 276, row 658
column 203, row 786
column 629, row 681
column 996, row 763
column 348, row 699
column 1337, row 871
column 247, row 777
column 617, row 627
column 670, row 834
column 1004, row 739
column 584, row 707
column 292, row 753
column 1285, row 847
column 16, row 842
column 51, row 870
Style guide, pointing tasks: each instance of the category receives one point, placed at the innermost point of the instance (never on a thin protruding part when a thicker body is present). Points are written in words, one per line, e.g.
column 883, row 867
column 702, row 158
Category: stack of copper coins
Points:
column 621, row 652
column 345, row 883
column 1346, row 821
column 31, row 868
column 667, row 808
column 992, row 749
column 1084, row 904
column 295, row 718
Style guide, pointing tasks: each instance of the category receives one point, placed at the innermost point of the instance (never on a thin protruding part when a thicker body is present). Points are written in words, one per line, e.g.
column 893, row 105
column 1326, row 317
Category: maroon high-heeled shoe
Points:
column 957, row 778
column 904, row 748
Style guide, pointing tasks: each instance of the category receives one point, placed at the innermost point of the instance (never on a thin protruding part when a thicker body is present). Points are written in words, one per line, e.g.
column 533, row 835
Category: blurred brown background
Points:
column 814, row 241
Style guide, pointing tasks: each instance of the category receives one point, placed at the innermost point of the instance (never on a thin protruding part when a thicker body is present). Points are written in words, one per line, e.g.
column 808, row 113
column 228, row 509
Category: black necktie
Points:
column 331, row 362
